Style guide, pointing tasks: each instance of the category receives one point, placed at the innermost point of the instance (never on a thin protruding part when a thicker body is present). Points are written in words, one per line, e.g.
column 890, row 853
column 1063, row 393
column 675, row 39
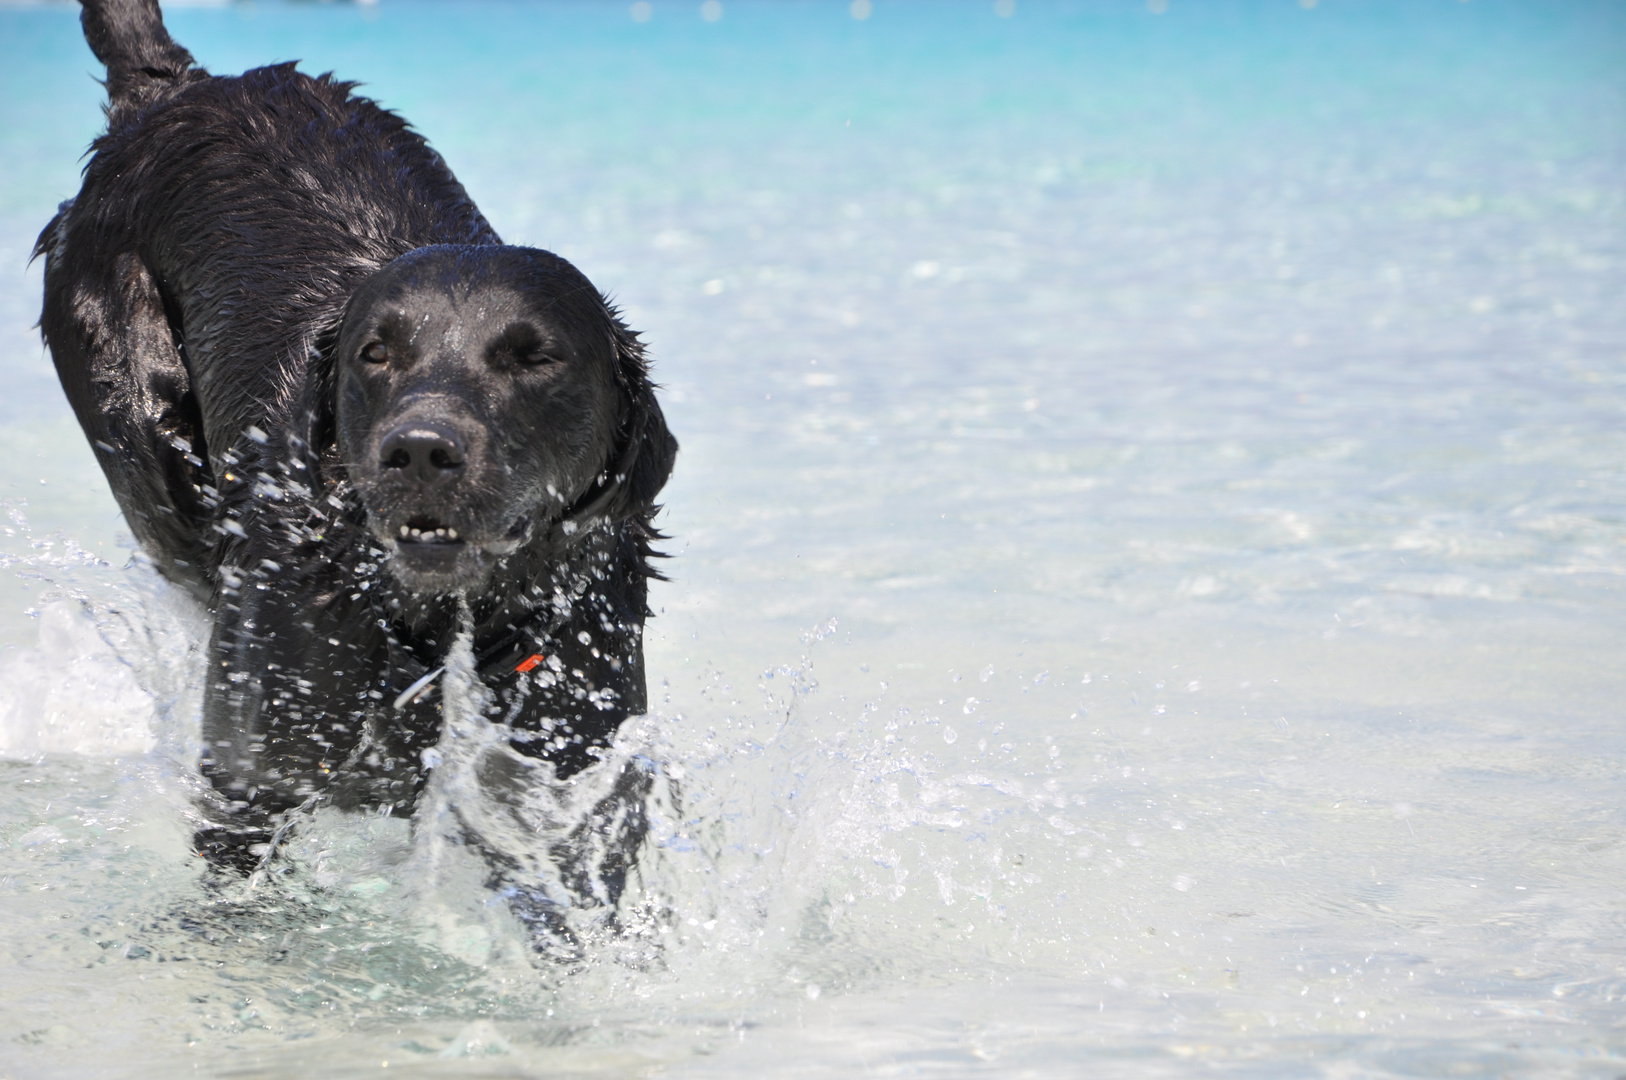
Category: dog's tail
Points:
column 142, row 60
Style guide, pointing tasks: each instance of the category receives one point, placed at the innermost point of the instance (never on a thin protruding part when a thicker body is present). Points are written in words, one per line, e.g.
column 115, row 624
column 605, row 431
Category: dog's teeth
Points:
column 440, row 532
column 405, row 530
column 417, row 532
column 451, row 534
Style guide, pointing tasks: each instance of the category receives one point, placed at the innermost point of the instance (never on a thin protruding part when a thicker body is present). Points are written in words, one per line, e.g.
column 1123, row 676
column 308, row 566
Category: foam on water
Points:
column 1147, row 581
column 959, row 881
column 116, row 656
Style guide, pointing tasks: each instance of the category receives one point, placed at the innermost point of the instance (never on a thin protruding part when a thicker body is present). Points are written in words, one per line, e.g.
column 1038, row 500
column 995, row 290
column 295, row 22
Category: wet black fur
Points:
column 194, row 296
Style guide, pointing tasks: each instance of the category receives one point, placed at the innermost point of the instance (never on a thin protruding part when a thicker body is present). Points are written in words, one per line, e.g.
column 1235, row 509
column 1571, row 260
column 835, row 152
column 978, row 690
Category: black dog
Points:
column 337, row 408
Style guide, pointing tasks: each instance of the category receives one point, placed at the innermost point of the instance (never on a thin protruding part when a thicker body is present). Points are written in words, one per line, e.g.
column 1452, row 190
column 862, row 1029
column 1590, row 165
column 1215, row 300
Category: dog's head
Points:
column 485, row 397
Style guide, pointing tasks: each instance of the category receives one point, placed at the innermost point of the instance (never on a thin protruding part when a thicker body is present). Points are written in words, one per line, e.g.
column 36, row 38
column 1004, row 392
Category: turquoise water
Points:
column 1148, row 557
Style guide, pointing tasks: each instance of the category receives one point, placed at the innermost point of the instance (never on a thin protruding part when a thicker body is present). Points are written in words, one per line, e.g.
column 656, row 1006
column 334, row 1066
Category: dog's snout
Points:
column 426, row 453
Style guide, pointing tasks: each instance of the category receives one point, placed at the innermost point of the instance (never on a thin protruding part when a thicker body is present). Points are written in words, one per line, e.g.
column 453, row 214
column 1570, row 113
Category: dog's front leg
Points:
column 295, row 710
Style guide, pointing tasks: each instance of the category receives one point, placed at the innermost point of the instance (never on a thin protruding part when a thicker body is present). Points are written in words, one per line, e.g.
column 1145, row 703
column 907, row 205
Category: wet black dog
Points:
column 337, row 408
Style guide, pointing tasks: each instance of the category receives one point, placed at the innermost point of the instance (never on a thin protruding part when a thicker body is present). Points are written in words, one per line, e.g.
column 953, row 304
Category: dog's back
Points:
column 222, row 224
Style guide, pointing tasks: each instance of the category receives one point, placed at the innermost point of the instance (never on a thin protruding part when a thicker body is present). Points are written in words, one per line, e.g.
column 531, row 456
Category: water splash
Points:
column 114, row 671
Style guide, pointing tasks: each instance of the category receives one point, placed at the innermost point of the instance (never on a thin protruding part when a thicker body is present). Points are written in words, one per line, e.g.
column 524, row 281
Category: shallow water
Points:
column 1146, row 595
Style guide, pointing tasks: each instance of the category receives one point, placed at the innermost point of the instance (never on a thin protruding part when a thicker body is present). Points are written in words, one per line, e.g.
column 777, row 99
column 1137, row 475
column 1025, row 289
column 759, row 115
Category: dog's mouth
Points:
column 424, row 531
column 431, row 554
column 427, row 530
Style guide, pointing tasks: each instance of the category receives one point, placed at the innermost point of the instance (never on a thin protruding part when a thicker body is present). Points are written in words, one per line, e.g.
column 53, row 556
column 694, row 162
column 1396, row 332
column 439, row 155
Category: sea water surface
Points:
column 1147, row 559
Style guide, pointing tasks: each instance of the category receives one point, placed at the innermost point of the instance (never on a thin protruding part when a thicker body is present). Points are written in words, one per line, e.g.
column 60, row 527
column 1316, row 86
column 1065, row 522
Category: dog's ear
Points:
column 313, row 433
column 655, row 450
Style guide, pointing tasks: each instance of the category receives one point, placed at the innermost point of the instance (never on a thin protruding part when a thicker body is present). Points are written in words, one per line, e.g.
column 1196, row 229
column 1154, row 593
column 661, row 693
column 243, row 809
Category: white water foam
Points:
column 114, row 670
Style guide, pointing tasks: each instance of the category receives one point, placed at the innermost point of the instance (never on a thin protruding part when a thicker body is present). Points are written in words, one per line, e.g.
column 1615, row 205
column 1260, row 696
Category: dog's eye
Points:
column 521, row 343
column 376, row 353
column 535, row 357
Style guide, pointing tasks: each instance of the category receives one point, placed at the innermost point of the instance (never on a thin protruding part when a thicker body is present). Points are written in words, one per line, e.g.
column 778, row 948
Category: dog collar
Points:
column 513, row 654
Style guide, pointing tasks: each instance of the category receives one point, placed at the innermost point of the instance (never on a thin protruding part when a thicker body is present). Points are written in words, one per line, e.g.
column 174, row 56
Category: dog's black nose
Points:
column 427, row 453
